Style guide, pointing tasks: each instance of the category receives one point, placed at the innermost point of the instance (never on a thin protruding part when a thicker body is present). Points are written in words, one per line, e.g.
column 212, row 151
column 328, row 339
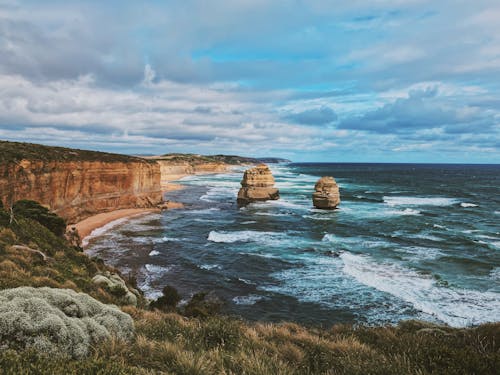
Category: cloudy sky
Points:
column 311, row 80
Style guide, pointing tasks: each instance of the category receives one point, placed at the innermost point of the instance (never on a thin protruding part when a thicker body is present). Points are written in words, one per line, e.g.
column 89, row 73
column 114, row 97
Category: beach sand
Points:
column 85, row 227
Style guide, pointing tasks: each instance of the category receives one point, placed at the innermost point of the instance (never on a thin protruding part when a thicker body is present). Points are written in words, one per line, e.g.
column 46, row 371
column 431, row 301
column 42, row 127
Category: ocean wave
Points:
column 467, row 205
column 319, row 217
column 419, row 201
column 241, row 236
column 209, row 267
column 148, row 276
column 271, row 214
column 251, row 299
column 154, row 253
column 405, row 212
column 152, row 240
column 455, row 307
column 102, row 230
column 495, row 274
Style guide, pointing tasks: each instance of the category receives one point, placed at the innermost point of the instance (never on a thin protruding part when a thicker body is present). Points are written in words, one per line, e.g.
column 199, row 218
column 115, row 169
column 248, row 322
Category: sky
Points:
column 328, row 81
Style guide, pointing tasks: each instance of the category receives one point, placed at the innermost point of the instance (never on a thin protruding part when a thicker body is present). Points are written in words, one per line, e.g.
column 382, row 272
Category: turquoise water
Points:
column 408, row 241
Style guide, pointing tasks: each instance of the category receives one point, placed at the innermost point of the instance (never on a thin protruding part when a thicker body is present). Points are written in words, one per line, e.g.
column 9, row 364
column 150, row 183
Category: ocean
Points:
column 409, row 241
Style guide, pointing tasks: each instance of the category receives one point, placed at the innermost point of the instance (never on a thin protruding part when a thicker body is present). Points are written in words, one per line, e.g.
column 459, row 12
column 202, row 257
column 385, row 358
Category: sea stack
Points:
column 257, row 185
column 326, row 195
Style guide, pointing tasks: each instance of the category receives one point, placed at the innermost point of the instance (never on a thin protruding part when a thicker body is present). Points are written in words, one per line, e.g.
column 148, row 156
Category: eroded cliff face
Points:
column 78, row 189
column 172, row 170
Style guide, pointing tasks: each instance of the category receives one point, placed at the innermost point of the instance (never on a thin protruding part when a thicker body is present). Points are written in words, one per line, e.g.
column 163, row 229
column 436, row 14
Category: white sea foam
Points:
column 241, row 236
column 153, row 253
column 439, row 226
column 467, row 205
column 157, row 270
column 419, row 201
column 251, row 299
column 416, row 253
column 102, row 230
column 452, row 306
column 271, row 214
column 210, row 266
column 317, row 217
column 405, row 212
column 495, row 274
column 149, row 274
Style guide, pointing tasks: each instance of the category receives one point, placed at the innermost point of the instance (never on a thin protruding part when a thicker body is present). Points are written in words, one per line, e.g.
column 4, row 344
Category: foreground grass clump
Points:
column 58, row 321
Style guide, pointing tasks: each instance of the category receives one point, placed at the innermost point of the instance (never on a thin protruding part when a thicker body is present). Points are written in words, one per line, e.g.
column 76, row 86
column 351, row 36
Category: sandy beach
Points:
column 85, row 227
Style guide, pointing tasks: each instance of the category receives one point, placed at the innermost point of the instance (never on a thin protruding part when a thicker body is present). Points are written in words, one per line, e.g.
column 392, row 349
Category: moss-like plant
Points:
column 58, row 321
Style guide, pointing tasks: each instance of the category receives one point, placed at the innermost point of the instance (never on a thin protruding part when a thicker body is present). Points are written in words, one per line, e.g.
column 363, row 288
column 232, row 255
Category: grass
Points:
column 14, row 152
column 169, row 343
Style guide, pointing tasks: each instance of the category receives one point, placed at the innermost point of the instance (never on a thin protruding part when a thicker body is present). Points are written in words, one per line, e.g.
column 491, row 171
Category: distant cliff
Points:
column 174, row 166
column 76, row 183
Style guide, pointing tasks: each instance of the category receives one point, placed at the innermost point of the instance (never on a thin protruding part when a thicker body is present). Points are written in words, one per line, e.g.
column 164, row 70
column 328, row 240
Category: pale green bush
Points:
column 58, row 321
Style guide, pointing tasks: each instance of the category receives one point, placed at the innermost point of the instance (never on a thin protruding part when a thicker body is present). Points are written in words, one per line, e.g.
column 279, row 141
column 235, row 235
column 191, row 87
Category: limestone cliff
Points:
column 173, row 170
column 326, row 195
column 257, row 185
column 74, row 183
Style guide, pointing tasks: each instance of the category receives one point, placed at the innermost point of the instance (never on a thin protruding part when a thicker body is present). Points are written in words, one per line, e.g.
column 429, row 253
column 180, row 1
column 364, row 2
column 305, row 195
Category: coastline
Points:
column 88, row 225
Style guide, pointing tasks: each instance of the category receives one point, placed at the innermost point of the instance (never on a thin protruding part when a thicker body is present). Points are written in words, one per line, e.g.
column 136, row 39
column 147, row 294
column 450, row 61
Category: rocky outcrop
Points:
column 257, row 185
column 326, row 195
column 117, row 286
column 77, row 184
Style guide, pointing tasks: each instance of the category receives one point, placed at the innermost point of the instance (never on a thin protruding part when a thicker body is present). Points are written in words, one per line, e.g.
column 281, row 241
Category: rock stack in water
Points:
column 257, row 185
column 326, row 195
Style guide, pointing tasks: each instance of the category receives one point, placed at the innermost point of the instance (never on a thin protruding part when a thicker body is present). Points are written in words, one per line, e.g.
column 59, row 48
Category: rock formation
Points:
column 257, row 185
column 326, row 195
column 76, row 184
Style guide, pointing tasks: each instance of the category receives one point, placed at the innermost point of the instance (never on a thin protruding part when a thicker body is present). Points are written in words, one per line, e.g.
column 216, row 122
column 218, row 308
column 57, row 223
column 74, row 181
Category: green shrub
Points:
column 168, row 301
column 58, row 321
column 203, row 305
column 33, row 210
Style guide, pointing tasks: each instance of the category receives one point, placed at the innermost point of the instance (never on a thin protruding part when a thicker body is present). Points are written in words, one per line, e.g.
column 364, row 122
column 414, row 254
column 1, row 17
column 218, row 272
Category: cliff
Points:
column 75, row 183
column 175, row 166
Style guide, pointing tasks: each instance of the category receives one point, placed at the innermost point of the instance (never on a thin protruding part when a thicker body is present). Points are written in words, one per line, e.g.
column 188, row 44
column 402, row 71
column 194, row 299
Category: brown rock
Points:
column 326, row 195
column 76, row 190
column 257, row 185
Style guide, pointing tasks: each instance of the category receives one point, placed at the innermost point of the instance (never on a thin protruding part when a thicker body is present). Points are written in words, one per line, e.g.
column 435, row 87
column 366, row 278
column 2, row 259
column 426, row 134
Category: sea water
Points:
column 407, row 242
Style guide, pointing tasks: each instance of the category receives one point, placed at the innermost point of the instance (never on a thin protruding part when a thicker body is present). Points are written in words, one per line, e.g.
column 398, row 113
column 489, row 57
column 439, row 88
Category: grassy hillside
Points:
column 226, row 159
column 170, row 343
column 17, row 151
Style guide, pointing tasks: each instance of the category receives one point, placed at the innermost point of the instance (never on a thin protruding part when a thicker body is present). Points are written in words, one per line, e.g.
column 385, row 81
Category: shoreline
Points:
column 88, row 225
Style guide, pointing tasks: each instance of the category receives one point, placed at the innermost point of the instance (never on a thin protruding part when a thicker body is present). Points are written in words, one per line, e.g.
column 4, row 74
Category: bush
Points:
column 168, row 301
column 58, row 321
column 203, row 305
column 33, row 210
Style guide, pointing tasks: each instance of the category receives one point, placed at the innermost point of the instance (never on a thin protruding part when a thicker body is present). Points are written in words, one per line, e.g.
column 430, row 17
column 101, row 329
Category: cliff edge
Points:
column 76, row 184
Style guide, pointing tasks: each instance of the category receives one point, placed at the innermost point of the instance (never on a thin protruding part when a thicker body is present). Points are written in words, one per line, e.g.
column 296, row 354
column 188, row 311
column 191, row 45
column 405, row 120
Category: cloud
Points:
column 128, row 76
column 315, row 116
column 422, row 109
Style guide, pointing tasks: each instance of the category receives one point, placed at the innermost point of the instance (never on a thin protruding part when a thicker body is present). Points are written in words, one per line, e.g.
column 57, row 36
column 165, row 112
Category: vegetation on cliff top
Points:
column 168, row 343
column 224, row 159
column 13, row 152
